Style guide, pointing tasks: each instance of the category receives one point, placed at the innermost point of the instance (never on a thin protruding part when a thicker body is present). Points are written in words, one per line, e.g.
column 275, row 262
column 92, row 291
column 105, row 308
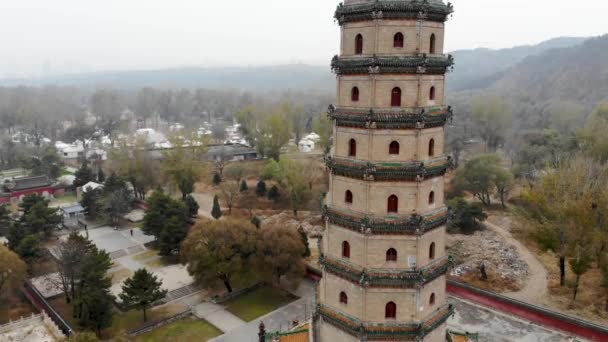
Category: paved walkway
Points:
column 493, row 326
column 218, row 316
column 278, row 320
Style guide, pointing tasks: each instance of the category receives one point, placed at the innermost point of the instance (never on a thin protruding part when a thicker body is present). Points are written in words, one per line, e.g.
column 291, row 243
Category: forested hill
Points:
column 479, row 68
column 577, row 74
column 296, row 76
column 556, row 89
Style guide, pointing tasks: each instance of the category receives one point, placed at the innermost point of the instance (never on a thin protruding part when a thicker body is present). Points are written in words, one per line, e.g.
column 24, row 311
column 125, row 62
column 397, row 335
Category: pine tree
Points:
column 256, row 222
column 101, row 176
column 244, row 186
column 171, row 237
column 90, row 202
column 141, row 290
column 83, row 175
column 216, row 211
column 217, row 179
column 93, row 303
column 274, row 193
column 260, row 189
column 192, row 206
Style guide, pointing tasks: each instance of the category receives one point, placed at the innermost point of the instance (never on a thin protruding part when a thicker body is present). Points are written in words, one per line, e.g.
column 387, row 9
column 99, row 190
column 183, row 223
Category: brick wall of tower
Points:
column 373, row 145
column 371, row 250
column 368, row 303
column 375, row 90
column 378, row 37
column 372, row 197
column 372, row 75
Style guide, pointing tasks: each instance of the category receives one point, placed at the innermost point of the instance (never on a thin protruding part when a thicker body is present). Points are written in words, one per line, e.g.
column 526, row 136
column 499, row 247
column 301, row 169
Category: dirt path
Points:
column 535, row 289
column 205, row 203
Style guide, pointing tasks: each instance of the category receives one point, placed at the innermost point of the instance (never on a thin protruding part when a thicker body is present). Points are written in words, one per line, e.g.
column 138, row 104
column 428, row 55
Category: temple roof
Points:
column 25, row 183
column 361, row 10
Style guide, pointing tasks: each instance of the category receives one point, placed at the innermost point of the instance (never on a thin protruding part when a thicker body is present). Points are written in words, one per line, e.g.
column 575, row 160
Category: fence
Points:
column 227, row 296
column 536, row 314
column 157, row 324
column 38, row 301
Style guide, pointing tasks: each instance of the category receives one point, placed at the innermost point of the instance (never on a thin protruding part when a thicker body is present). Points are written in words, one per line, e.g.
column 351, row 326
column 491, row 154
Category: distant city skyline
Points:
column 41, row 38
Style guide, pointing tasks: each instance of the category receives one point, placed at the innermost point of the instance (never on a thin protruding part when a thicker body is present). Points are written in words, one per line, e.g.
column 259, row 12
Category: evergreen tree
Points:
column 465, row 217
column 90, row 201
column 260, row 189
column 161, row 208
column 217, row 179
column 38, row 217
column 101, row 176
column 141, row 290
column 83, row 175
column 216, row 211
column 256, row 222
column 304, row 237
column 274, row 193
column 244, row 186
column 29, row 248
column 116, row 199
column 192, row 206
column 5, row 220
column 93, row 302
column 171, row 236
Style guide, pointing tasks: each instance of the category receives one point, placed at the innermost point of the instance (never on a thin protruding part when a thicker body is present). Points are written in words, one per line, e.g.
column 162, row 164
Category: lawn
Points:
column 188, row 329
column 149, row 254
column 125, row 321
column 258, row 302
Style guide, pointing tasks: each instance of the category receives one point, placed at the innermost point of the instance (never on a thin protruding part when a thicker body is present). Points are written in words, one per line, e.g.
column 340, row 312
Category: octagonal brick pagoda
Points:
column 383, row 251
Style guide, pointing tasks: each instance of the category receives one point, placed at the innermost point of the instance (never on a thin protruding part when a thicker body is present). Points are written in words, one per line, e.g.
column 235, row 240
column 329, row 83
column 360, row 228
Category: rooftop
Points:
column 29, row 183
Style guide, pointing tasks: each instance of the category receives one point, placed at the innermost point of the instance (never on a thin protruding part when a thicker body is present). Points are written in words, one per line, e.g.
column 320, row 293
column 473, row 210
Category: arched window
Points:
column 398, row 40
column 354, row 94
column 343, row 298
column 396, row 97
column 432, row 299
column 432, row 197
column 348, row 197
column 432, row 251
column 393, row 148
column 431, row 147
column 345, row 249
column 390, row 310
column 432, row 44
column 391, row 255
column 352, row 148
column 432, row 94
column 359, row 44
column 393, row 204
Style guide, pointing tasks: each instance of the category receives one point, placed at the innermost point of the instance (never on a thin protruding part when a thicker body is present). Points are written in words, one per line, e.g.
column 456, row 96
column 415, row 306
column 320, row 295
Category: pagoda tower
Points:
column 383, row 251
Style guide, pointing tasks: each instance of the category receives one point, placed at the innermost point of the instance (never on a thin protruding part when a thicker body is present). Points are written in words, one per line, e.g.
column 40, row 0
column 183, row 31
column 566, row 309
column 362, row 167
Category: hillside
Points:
column 578, row 74
column 478, row 68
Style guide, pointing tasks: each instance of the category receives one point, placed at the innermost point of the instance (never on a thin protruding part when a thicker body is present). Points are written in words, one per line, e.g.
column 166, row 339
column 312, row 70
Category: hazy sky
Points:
column 61, row 36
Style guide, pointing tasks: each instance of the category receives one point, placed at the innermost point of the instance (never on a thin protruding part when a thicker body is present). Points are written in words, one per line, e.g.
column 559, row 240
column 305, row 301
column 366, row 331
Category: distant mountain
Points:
column 479, row 68
column 578, row 74
column 557, row 88
column 296, row 76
